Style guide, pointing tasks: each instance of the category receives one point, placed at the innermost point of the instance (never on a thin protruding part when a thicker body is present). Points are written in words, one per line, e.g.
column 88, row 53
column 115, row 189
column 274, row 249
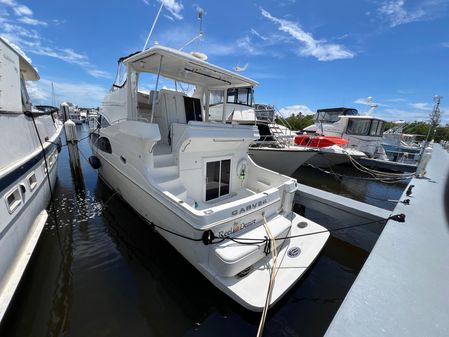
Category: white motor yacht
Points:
column 28, row 160
column 363, row 133
column 192, row 179
column 73, row 114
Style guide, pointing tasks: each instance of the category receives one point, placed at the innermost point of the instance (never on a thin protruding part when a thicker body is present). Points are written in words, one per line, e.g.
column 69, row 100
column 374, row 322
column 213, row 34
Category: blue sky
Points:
column 306, row 55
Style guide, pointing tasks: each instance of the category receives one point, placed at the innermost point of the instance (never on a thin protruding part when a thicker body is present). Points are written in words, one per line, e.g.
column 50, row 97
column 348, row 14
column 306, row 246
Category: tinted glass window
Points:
column 373, row 129
column 225, row 175
column 328, row 116
column 232, row 96
column 380, row 128
column 217, row 178
column 212, row 180
column 358, row 126
column 104, row 145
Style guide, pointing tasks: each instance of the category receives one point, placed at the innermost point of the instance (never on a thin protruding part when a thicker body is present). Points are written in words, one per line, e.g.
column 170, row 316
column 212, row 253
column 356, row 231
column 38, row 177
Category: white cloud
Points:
column 175, row 8
column 255, row 32
column 445, row 44
column 37, row 93
column 169, row 17
column 245, row 44
column 24, row 13
column 98, row 73
column 82, row 94
column 396, row 13
column 422, row 106
column 32, row 42
column 10, row 3
column 296, row 109
column 320, row 49
column 33, row 22
column 23, row 10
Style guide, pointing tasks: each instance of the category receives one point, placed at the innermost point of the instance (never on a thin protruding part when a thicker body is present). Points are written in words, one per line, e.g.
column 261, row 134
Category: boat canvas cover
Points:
column 184, row 67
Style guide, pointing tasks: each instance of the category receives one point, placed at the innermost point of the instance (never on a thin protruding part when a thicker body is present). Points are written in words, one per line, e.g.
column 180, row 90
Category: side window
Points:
column 216, row 97
column 373, row 129
column 358, row 126
column 104, row 123
column 104, row 145
column 13, row 200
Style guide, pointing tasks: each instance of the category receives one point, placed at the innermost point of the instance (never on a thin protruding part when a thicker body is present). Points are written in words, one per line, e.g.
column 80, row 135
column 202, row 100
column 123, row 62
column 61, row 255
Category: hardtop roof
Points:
column 27, row 70
column 184, row 67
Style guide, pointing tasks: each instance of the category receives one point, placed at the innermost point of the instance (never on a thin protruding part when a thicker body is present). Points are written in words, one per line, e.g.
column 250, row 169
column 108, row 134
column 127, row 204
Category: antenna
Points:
column 238, row 69
column 435, row 115
column 53, row 97
column 200, row 35
column 372, row 105
column 152, row 27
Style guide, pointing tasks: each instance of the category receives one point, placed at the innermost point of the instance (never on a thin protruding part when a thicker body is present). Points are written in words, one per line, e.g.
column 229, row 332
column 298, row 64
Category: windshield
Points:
column 328, row 116
column 332, row 115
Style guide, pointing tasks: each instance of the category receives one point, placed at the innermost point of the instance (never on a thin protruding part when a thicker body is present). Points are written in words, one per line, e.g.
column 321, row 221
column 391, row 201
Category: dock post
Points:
column 74, row 156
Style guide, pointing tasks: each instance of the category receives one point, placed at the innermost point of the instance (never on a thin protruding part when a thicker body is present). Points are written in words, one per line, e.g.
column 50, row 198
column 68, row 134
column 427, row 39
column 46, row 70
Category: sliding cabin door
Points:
column 217, row 178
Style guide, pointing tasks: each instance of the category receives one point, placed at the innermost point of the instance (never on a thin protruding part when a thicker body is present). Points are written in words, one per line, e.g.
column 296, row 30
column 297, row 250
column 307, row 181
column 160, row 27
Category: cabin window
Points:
column 104, row 145
column 104, row 122
column 216, row 97
column 358, row 126
column 13, row 200
column 376, row 128
column 242, row 96
column 373, row 129
column 217, row 178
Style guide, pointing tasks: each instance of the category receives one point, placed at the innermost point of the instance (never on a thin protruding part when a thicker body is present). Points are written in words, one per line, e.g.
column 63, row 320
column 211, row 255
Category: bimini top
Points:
column 26, row 69
column 180, row 66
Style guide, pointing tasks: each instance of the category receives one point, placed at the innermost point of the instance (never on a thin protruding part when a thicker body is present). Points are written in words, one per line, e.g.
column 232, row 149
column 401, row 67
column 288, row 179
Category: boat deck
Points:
column 402, row 290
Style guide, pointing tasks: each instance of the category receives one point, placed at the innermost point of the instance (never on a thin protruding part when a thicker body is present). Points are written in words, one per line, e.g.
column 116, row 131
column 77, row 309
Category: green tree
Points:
column 297, row 122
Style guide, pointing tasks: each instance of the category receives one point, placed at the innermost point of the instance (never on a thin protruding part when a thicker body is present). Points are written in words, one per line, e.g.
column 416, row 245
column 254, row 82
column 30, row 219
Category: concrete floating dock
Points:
column 403, row 288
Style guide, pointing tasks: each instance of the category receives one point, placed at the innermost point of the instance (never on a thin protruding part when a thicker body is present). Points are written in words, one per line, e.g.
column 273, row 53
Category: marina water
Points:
column 100, row 270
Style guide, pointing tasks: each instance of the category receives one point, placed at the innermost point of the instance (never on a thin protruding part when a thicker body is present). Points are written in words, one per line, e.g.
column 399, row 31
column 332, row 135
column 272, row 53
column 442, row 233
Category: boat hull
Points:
column 22, row 224
column 283, row 160
column 250, row 290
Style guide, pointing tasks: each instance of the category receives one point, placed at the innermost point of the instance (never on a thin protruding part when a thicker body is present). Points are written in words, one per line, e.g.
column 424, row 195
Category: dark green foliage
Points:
column 421, row 128
column 297, row 122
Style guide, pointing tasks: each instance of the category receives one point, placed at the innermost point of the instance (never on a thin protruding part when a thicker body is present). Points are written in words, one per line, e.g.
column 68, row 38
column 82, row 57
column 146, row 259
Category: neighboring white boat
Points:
column 73, row 113
column 400, row 146
column 191, row 177
column 24, row 172
column 274, row 149
column 364, row 133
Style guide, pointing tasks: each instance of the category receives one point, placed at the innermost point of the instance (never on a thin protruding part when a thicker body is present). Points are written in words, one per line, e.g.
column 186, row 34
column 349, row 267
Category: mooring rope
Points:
column 273, row 273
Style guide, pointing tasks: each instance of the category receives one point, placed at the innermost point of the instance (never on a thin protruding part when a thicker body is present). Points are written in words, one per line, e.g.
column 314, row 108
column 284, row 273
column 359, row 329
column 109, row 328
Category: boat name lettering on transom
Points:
column 249, row 207
column 235, row 228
